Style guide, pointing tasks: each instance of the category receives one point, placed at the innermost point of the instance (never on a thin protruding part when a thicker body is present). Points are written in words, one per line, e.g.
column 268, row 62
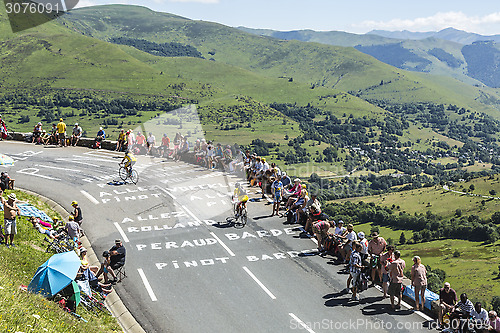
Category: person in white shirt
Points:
column 151, row 142
column 340, row 229
column 364, row 245
column 480, row 315
column 350, row 237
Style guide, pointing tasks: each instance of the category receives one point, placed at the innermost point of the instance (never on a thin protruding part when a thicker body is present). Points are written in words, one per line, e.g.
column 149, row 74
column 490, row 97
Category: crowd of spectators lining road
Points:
column 365, row 260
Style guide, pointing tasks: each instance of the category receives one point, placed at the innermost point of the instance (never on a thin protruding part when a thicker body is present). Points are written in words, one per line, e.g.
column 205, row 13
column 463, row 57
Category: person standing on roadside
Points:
column 61, row 132
column 419, row 281
column 77, row 213
column 376, row 247
column 10, row 211
column 396, row 269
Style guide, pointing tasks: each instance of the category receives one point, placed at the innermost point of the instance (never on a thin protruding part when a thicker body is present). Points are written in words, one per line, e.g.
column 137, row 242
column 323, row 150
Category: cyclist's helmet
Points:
column 237, row 185
column 74, row 203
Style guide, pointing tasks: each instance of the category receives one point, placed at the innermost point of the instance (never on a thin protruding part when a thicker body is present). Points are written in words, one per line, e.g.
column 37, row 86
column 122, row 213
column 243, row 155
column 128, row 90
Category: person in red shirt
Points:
column 165, row 145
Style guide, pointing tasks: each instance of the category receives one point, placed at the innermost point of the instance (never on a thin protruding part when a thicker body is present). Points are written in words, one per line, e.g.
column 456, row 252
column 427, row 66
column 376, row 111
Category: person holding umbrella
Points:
column 10, row 211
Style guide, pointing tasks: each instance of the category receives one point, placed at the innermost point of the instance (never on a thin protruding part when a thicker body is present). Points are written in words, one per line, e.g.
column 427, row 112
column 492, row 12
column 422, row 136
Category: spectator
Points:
column 385, row 259
column 51, row 233
column 77, row 213
column 130, row 139
column 54, row 137
column 122, row 139
column 61, row 133
column 285, row 180
column 355, row 266
column 396, row 269
column 57, row 225
column 45, row 138
column 73, row 229
column 165, row 145
column 376, row 247
column 294, row 192
column 464, row 306
column 114, row 259
column 5, row 181
column 364, row 245
column 100, row 137
column 447, row 301
column 277, row 192
column 480, row 316
column 339, row 229
column 10, row 211
column 348, row 238
column 37, row 134
column 494, row 322
column 419, row 281
column 210, row 154
column 320, row 230
column 150, row 142
column 3, row 129
column 77, row 134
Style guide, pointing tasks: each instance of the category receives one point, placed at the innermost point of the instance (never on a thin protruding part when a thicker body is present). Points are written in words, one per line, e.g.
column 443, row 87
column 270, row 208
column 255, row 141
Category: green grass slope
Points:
column 311, row 63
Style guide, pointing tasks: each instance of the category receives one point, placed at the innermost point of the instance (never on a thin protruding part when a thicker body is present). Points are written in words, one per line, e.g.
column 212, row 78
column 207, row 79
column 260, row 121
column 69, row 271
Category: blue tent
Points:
column 55, row 274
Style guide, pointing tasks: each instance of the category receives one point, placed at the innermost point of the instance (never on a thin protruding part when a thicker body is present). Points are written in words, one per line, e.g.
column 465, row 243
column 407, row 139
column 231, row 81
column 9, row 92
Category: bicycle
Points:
column 238, row 220
column 126, row 174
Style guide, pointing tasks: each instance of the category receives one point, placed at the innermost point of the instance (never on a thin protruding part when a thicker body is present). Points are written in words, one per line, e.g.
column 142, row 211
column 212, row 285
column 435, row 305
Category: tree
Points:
column 402, row 238
column 493, row 192
column 472, row 187
column 495, row 303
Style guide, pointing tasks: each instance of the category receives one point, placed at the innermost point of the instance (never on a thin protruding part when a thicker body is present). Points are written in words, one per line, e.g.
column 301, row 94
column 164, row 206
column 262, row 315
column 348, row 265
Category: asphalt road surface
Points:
column 187, row 270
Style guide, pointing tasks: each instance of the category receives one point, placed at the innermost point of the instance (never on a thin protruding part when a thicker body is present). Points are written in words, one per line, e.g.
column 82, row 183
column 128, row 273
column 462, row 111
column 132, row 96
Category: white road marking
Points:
column 191, row 213
column 90, row 197
column 270, row 294
column 57, row 168
column 167, row 192
column 122, row 233
column 78, row 162
column 34, row 172
column 301, row 322
column 231, row 253
column 147, row 285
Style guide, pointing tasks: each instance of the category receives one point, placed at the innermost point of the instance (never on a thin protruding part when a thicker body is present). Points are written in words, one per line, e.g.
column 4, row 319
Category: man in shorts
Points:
column 376, row 246
column 396, row 269
column 10, row 211
column 61, row 132
column 355, row 266
column 320, row 230
column 114, row 259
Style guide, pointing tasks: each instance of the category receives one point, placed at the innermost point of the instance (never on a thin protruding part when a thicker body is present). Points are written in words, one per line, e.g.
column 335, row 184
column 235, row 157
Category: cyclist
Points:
column 128, row 161
column 241, row 195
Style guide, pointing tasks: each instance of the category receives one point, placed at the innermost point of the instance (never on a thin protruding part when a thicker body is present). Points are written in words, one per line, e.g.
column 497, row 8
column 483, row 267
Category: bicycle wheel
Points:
column 134, row 176
column 244, row 216
column 235, row 208
column 123, row 173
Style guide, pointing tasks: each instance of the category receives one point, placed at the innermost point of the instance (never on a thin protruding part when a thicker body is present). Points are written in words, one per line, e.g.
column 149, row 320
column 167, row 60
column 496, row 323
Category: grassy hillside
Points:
column 311, row 63
column 24, row 312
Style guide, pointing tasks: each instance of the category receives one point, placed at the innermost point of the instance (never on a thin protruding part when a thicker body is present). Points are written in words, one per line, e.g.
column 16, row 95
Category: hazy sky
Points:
column 359, row 16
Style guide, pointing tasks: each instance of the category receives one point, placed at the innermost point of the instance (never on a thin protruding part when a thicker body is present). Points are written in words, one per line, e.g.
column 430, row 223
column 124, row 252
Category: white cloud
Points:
column 458, row 20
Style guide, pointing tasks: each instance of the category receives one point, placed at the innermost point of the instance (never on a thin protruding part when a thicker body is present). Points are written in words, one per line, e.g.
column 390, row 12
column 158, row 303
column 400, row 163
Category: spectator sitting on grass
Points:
column 43, row 229
column 4, row 181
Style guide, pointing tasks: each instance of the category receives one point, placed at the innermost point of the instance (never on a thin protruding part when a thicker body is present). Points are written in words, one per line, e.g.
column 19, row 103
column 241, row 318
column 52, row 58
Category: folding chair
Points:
column 120, row 273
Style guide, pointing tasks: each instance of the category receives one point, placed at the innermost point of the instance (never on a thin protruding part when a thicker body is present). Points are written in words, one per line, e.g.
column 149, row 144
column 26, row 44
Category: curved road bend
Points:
column 187, row 273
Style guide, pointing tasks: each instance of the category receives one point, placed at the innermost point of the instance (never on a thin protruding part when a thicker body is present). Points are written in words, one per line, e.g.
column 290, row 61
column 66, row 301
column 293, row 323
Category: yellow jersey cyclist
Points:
column 128, row 161
column 241, row 195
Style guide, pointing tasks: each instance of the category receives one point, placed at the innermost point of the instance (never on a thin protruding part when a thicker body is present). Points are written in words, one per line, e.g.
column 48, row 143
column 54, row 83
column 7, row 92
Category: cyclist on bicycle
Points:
column 128, row 161
column 241, row 195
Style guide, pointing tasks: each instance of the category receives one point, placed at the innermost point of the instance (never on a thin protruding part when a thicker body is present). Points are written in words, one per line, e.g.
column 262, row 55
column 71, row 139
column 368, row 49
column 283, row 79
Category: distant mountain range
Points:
column 468, row 57
column 451, row 34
